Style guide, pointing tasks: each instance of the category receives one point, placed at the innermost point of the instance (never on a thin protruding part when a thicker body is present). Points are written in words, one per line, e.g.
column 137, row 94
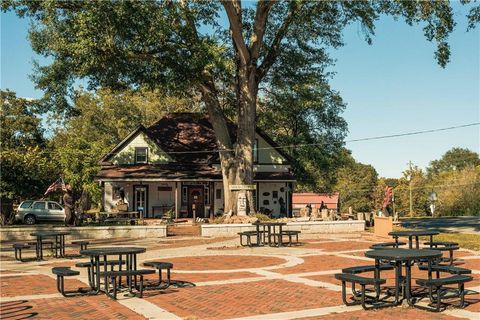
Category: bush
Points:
column 262, row 217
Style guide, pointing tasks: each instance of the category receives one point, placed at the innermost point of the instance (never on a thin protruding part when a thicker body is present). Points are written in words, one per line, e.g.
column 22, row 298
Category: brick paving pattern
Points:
column 263, row 287
column 93, row 307
column 222, row 262
column 244, row 299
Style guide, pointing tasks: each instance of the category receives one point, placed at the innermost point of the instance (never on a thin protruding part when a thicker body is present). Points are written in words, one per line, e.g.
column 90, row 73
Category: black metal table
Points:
column 403, row 257
column 271, row 229
column 411, row 234
column 59, row 242
column 95, row 254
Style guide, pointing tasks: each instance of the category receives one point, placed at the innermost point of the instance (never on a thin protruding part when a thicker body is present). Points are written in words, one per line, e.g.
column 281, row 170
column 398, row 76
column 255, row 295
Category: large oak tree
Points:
column 221, row 51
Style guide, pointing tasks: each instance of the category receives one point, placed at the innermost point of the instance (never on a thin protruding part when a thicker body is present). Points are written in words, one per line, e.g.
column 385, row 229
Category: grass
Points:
column 465, row 241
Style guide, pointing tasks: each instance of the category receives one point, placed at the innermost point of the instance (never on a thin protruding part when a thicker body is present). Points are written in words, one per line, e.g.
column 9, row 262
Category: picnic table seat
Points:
column 363, row 281
column 82, row 243
column 436, row 290
column 450, row 250
column 160, row 265
column 445, row 269
column 441, row 243
column 369, row 268
column 44, row 242
column 112, row 276
column 384, row 245
column 291, row 234
column 248, row 235
column 18, row 247
column 61, row 273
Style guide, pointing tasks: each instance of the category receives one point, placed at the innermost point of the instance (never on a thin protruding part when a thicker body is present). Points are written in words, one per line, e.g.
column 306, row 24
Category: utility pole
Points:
column 410, row 188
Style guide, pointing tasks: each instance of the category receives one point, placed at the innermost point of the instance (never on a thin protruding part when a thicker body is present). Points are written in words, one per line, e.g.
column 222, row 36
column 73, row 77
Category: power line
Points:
column 415, row 132
column 321, row 144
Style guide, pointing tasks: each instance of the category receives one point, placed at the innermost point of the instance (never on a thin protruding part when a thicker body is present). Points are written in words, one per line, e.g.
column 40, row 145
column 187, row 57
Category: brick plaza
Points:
column 231, row 282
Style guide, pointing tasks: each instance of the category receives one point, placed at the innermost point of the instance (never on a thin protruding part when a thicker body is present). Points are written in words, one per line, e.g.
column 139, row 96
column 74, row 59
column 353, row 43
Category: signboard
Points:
column 235, row 187
column 242, row 204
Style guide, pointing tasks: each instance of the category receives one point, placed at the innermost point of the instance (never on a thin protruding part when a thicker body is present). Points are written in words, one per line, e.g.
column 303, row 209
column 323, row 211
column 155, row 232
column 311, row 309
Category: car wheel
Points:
column 30, row 219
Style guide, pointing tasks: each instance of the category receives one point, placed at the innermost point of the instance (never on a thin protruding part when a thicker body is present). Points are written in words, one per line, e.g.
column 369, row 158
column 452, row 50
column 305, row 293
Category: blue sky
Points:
column 392, row 86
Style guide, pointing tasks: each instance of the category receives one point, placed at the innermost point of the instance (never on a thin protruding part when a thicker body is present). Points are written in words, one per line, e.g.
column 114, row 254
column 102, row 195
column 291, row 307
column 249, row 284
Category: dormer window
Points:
column 141, row 155
column 255, row 151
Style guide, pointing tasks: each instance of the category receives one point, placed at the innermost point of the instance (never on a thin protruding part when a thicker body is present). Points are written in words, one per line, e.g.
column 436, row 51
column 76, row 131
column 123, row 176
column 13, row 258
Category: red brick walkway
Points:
column 263, row 287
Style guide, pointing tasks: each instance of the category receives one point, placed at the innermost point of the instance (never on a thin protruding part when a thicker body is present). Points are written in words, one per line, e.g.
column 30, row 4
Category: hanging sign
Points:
column 235, row 187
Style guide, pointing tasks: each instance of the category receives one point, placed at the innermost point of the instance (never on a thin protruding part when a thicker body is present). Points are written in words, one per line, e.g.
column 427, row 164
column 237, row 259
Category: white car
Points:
column 31, row 212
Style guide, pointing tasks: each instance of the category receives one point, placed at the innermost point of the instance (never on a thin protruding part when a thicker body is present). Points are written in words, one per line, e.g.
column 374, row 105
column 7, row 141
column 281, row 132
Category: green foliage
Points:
column 420, row 190
column 299, row 109
column 356, row 183
column 456, row 159
column 263, row 217
column 27, row 166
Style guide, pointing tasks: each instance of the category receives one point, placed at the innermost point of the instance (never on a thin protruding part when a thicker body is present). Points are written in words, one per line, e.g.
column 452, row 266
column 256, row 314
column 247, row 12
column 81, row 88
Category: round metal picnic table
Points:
column 400, row 257
column 413, row 233
column 271, row 229
column 95, row 254
column 59, row 242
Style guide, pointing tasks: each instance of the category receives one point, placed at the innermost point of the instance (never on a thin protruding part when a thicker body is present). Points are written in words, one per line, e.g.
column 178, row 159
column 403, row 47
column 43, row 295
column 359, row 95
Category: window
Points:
column 207, row 195
column 26, row 204
column 53, row 206
column 218, row 194
column 141, row 155
column 184, row 194
column 255, row 151
column 39, row 205
column 118, row 193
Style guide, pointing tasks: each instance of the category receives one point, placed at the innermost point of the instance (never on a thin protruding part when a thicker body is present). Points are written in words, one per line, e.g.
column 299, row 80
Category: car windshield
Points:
column 26, row 204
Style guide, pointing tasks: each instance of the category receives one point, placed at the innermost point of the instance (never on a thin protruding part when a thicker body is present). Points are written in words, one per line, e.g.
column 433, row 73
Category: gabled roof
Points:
column 188, row 138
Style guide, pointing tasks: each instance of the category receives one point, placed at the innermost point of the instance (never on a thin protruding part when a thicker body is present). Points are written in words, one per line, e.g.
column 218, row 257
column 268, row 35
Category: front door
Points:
column 140, row 199
column 195, row 202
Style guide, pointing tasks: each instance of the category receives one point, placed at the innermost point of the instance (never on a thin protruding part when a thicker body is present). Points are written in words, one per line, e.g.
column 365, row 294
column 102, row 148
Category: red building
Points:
column 330, row 200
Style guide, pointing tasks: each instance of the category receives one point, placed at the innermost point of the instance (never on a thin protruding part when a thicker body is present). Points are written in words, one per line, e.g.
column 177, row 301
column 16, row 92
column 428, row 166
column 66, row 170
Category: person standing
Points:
column 68, row 205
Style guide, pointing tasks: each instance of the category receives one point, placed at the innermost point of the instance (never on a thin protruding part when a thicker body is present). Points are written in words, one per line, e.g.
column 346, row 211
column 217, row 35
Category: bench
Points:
column 450, row 249
column 91, row 275
column 159, row 265
column 444, row 269
column 112, row 275
column 18, row 247
column 62, row 272
column 44, row 242
column 384, row 245
column 435, row 244
column 362, row 269
column 436, row 286
column 363, row 281
column 82, row 243
column 248, row 235
column 369, row 268
column 291, row 234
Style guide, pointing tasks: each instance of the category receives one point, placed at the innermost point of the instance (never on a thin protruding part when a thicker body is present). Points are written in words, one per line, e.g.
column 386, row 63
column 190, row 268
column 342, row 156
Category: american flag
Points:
column 57, row 185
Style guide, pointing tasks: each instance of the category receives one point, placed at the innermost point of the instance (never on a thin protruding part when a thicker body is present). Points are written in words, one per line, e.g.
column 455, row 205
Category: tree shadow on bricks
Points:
column 16, row 310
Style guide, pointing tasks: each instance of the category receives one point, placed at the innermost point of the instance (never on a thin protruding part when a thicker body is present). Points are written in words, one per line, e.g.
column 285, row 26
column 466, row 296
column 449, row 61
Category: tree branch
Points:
column 263, row 8
column 275, row 46
column 233, row 9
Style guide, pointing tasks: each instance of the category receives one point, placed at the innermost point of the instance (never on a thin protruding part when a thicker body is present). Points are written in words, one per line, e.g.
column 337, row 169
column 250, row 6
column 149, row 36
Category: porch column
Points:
column 177, row 205
column 102, row 187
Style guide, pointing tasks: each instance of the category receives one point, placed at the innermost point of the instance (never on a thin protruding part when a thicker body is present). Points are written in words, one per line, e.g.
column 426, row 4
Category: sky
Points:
column 392, row 86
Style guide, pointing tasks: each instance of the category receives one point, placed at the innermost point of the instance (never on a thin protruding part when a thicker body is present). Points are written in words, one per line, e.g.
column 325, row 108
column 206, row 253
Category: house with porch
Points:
column 174, row 165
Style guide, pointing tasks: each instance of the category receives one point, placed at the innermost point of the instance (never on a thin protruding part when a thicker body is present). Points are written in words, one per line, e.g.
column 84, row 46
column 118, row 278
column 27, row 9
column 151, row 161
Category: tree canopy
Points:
column 187, row 48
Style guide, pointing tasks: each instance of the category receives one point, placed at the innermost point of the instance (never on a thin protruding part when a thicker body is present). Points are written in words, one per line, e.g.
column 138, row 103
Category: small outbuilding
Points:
column 330, row 201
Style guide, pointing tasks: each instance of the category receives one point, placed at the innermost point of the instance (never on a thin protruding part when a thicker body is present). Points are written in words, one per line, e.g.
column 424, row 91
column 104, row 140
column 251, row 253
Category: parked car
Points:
column 32, row 211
